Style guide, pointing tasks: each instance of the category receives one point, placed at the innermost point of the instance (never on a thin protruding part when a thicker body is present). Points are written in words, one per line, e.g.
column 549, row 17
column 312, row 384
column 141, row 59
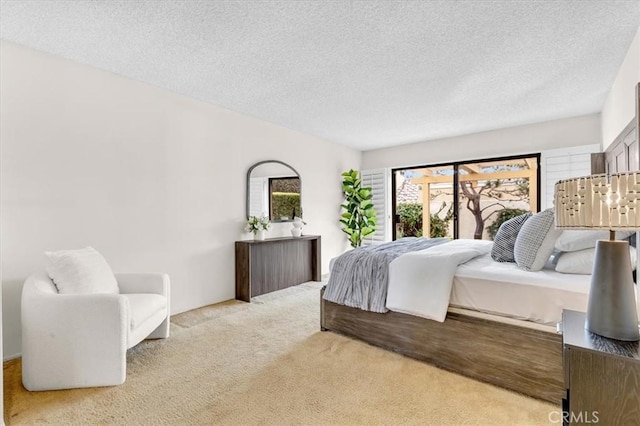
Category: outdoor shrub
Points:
column 410, row 219
column 439, row 227
column 411, row 222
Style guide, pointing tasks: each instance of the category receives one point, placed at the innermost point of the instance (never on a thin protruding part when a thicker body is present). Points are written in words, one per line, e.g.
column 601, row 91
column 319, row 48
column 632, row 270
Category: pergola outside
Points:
column 473, row 179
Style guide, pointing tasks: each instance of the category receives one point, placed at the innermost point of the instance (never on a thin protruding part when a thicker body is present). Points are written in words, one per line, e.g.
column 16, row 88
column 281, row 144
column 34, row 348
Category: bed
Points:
column 512, row 345
column 537, row 297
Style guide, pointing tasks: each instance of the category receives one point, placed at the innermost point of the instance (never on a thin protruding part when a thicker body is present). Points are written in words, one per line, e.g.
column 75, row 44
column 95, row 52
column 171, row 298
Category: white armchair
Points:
column 81, row 340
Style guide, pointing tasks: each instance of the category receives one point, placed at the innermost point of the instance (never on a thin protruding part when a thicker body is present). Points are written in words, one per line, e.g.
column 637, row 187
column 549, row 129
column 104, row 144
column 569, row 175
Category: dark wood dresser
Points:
column 602, row 376
column 276, row 263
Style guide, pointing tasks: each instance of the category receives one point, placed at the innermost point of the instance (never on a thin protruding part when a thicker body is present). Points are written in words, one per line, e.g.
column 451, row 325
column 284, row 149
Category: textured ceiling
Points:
column 366, row 74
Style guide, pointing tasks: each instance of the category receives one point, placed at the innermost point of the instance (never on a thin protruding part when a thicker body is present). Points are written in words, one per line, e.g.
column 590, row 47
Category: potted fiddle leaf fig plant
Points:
column 358, row 217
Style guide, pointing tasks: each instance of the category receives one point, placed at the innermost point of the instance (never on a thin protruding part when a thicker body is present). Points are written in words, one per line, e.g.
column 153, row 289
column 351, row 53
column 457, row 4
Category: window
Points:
column 464, row 199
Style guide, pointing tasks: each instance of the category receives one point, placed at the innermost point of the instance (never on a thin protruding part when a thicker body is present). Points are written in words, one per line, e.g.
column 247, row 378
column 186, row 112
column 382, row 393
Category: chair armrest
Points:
column 73, row 340
column 144, row 283
column 98, row 317
column 149, row 283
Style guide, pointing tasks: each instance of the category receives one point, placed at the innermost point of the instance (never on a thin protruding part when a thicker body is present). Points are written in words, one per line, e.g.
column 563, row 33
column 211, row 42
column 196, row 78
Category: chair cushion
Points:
column 143, row 306
column 82, row 271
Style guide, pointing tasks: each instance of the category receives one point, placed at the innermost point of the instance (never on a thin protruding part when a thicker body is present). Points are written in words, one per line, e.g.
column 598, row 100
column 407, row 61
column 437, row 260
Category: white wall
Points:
column 153, row 180
column 525, row 139
column 620, row 106
column 1, row 357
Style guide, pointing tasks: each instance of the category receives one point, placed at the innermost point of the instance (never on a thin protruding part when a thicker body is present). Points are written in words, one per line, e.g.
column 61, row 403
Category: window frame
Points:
column 456, row 190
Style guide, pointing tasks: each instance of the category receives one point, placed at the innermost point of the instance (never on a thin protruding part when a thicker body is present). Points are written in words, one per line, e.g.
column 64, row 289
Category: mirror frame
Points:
column 248, row 189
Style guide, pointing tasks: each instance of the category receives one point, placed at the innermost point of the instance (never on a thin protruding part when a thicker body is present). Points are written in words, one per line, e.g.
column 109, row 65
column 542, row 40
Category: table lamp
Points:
column 600, row 203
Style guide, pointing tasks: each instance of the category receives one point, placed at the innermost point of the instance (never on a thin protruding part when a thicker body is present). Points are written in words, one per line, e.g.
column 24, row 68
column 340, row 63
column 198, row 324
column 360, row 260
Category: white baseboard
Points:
column 10, row 357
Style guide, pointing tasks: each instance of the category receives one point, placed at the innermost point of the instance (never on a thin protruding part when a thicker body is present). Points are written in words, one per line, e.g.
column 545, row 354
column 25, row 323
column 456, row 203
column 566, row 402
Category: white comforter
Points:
column 420, row 282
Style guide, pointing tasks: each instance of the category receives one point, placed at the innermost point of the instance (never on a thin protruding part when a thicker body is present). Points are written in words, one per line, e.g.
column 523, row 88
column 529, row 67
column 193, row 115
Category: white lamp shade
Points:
column 595, row 202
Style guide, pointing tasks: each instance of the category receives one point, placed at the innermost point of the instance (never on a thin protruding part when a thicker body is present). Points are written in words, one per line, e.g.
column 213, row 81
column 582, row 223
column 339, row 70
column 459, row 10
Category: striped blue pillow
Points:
column 503, row 244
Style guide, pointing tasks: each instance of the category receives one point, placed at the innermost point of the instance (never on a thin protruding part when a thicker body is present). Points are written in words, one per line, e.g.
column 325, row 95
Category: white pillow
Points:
column 573, row 240
column 581, row 261
column 534, row 243
column 82, row 271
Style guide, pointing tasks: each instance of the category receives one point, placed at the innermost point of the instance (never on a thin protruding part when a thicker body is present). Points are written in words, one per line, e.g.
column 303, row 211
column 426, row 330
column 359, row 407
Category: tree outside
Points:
column 485, row 199
column 489, row 193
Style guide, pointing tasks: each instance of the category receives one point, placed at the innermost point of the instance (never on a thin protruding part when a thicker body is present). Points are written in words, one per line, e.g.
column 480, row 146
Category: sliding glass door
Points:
column 424, row 192
column 464, row 199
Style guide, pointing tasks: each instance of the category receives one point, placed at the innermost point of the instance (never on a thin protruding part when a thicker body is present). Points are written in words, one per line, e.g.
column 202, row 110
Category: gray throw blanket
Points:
column 360, row 277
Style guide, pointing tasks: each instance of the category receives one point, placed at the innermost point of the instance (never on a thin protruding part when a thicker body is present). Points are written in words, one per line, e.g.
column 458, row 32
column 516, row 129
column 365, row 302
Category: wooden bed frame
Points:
column 522, row 359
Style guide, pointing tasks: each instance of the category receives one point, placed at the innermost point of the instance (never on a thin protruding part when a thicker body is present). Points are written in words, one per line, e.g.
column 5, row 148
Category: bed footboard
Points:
column 520, row 359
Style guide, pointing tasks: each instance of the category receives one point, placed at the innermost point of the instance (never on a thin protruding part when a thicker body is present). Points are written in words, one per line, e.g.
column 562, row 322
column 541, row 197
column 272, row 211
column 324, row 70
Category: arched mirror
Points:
column 273, row 190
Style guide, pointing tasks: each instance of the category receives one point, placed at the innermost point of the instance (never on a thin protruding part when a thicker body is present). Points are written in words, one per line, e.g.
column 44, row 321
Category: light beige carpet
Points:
column 267, row 363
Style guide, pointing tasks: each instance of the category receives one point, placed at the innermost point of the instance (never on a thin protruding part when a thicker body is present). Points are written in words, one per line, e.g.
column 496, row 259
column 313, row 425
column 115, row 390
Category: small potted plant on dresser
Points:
column 258, row 226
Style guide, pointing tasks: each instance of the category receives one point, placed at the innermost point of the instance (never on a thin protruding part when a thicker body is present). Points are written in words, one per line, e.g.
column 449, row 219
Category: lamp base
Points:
column 612, row 303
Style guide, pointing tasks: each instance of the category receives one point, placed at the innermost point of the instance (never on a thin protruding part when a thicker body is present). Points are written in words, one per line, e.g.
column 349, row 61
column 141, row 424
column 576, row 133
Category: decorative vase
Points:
column 259, row 235
column 296, row 230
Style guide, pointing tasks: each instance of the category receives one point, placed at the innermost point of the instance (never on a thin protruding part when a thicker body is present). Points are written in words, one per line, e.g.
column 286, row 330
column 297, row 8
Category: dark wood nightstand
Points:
column 601, row 375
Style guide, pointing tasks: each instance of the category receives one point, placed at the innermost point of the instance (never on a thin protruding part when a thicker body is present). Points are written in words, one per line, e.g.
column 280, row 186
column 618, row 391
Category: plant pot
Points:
column 259, row 235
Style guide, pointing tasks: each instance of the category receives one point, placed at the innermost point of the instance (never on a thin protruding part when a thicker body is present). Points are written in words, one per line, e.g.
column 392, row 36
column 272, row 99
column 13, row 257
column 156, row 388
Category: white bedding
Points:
column 502, row 289
column 418, row 285
column 420, row 282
